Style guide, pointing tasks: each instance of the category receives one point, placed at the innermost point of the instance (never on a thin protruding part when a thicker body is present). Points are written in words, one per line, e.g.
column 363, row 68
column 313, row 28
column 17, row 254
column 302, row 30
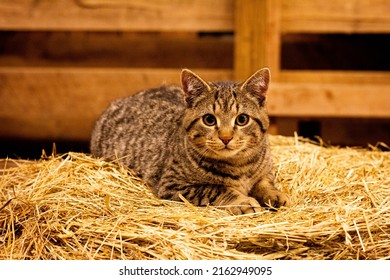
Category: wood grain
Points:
column 337, row 16
column 117, row 15
column 329, row 100
column 64, row 103
column 257, row 38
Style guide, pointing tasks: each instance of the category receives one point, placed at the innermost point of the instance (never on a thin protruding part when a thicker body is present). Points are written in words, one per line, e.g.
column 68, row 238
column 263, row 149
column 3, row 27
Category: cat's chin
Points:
column 225, row 153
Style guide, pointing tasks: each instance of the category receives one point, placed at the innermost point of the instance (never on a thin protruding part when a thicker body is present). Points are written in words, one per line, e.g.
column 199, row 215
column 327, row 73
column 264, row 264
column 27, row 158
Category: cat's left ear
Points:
column 257, row 84
column 193, row 85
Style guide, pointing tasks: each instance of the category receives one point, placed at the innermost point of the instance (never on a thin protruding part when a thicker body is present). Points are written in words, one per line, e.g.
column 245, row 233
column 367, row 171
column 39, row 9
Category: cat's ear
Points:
column 193, row 85
column 257, row 84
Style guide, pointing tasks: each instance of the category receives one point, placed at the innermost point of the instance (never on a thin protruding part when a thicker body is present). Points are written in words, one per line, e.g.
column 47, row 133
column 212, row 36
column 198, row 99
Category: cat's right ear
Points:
column 257, row 85
column 193, row 85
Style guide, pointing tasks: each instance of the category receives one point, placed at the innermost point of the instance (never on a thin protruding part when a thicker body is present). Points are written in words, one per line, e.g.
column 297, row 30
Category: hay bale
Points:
column 76, row 207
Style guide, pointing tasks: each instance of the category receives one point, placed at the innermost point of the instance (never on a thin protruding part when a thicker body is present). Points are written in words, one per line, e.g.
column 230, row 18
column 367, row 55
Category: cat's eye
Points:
column 242, row 119
column 209, row 120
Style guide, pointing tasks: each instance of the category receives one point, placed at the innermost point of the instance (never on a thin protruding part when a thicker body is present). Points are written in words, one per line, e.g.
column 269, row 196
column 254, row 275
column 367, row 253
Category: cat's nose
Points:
column 225, row 139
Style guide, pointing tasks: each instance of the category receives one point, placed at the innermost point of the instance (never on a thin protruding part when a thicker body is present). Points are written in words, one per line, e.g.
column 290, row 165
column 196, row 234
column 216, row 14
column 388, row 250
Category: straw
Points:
column 74, row 206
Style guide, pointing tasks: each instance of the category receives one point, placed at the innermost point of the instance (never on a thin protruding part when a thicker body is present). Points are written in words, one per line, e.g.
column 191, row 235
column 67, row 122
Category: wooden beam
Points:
column 117, row 15
column 329, row 100
column 338, row 16
column 63, row 103
column 257, row 37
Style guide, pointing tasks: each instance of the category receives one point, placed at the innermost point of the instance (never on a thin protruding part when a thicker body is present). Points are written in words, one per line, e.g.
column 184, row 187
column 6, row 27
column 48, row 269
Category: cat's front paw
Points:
column 244, row 205
column 275, row 199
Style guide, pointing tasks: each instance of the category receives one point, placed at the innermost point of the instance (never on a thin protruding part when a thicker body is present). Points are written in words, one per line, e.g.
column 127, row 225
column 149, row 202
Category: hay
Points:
column 76, row 207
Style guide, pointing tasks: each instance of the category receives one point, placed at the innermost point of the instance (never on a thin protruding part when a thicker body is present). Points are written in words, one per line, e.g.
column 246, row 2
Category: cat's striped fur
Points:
column 205, row 141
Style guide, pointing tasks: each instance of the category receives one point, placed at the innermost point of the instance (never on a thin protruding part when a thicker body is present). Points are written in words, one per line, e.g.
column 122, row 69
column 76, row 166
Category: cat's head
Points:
column 225, row 119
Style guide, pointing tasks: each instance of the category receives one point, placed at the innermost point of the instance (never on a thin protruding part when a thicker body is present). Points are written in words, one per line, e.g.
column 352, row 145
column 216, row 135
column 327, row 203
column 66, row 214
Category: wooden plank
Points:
column 329, row 100
column 116, row 15
column 257, row 38
column 353, row 16
column 63, row 103
column 337, row 77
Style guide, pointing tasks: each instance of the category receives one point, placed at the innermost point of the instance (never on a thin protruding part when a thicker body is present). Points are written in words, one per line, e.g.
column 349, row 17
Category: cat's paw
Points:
column 275, row 199
column 244, row 205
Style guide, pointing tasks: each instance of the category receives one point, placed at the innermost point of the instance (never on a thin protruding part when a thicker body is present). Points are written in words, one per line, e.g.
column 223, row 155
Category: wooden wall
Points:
column 62, row 61
column 307, row 94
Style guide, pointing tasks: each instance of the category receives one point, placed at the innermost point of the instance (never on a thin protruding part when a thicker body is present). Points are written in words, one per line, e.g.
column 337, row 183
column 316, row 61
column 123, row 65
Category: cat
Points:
column 205, row 142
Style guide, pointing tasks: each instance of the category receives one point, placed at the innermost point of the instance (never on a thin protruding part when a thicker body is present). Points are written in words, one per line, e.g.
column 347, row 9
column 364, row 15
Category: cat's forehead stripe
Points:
column 225, row 103
column 225, row 97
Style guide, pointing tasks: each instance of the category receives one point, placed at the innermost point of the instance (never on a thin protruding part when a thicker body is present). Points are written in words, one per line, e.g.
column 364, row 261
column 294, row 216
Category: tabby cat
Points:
column 204, row 141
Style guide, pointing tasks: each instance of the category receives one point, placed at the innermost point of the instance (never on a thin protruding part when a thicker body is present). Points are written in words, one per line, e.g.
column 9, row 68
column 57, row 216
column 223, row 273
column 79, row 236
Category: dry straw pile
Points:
column 76, row 207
